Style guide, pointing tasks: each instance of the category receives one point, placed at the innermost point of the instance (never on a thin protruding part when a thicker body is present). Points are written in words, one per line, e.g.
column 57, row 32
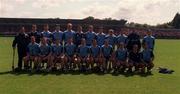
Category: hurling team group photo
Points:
column 89, row 46
column 81, row 51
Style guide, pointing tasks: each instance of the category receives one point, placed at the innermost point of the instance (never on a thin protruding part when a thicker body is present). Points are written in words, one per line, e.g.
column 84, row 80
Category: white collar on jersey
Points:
column 57, row 31
column 46, row 31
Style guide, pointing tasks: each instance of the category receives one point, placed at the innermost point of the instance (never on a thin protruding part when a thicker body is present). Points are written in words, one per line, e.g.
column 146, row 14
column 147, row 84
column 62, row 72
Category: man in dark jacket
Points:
column 21, row 41
column 133, row 39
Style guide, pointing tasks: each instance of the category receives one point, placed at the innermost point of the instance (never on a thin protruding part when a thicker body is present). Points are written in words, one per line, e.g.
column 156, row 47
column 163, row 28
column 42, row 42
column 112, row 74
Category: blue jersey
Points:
column 147, row 55
column 33, row 49
column 111, row 39
column 121, row 38
column 121, row 54
column 100, row 39
column 57, row 35
column 83, row 51
column 107, row 51
column 68, row 34
column 46, row 34
column 150, row 40
column 95, row 51
column 89, row 37
column 70, row 49
column 45, row 49
column 57, row 49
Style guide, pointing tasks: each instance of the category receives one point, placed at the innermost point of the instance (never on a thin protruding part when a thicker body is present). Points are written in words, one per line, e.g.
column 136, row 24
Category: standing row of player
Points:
column 100, row 36
column 78, row 35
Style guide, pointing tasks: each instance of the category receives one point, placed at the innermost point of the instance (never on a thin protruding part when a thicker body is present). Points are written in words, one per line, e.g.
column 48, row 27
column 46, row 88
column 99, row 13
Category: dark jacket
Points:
column 133, row 39
column 36, row 34
column 21, row 40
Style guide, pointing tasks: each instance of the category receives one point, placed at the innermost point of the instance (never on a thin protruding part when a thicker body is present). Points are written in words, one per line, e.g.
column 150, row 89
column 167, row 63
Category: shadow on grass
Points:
column 58, row 73
column 146, row 74
column 126, row 74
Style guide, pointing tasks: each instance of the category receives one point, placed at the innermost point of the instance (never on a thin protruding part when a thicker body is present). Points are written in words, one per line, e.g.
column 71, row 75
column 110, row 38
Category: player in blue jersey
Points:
column 111, row 37
column 90, row 35
column 47, row 34
column 45, row 53
column 121, row 55
column 100, row 37
column 57, row 34
column 122, row 38
column 107, row 51
column 149, row 40
column 32, row 53
column 95, row 50
column 69, row 33
column 83, row 53
column 57, row 52
column 147, row 58
column 70, row 51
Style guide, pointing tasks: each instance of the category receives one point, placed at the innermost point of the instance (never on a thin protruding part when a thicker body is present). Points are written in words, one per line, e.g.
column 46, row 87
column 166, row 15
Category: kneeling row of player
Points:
column 71, row 57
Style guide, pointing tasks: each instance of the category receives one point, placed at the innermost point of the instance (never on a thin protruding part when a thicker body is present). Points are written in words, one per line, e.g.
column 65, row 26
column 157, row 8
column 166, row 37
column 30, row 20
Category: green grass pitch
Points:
column 167, row 54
